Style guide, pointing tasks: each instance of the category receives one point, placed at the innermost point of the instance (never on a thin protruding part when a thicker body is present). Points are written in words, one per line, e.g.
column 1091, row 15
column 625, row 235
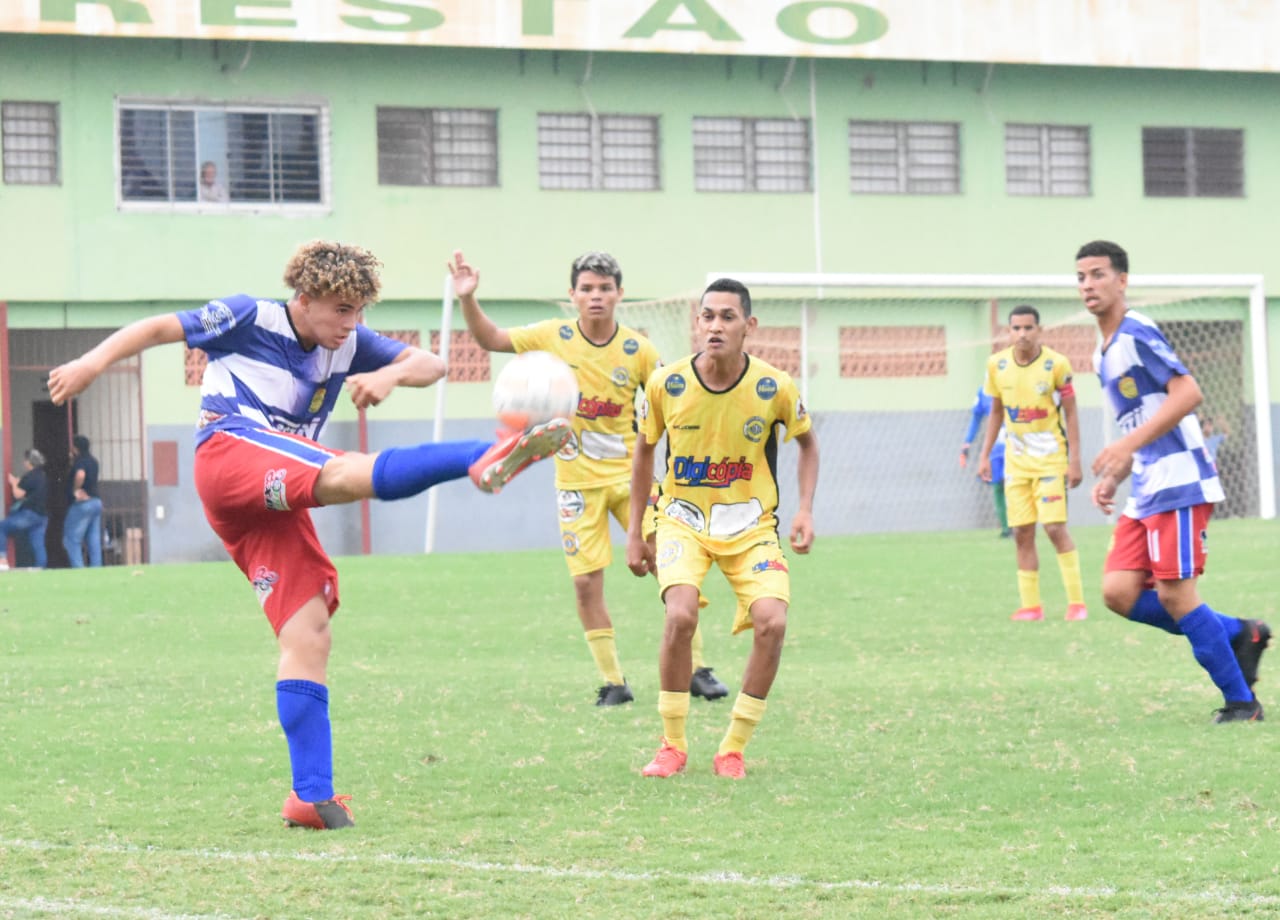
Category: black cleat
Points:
column 707, row 685
column 614, row 694
column 1240, row 711
column 1249, row 644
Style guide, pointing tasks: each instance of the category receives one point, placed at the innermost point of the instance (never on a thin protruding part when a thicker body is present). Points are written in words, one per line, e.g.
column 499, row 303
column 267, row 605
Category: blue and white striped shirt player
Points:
column 260, row 376
column 1175, row 470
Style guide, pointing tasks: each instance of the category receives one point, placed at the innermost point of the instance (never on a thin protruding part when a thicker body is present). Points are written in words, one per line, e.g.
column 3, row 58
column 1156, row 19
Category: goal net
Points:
column 890, row 365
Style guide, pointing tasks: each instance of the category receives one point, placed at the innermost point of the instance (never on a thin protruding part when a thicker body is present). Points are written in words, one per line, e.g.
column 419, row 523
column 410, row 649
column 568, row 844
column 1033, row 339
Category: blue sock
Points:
column 1212, row 649
column 399, row 472
column 303, row 707
column 1150, row 611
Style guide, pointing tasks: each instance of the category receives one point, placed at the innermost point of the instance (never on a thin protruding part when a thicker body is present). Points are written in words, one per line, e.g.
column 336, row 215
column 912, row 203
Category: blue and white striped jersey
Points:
column 260, row 376
column 1175, row 470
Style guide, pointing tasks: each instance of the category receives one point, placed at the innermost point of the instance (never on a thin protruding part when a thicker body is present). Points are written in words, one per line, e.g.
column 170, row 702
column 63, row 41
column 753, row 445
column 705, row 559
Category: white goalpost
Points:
column 888, row 361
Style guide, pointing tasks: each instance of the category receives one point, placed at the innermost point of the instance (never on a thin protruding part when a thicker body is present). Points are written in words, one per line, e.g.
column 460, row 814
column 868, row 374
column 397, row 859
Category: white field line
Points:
column 70, row 907
column 1216, row 898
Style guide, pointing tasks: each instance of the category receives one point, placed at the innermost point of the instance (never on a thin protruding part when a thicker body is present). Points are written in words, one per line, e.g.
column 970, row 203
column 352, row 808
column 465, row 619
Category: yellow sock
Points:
column 1069, row 566
column 696, row 646
column 605, row 652
column 747, row 713
column 1028, row 588
column 673, row 706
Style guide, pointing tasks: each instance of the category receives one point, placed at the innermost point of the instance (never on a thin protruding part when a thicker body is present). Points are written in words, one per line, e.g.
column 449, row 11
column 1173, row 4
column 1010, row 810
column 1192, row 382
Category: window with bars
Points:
column 447, row 147
column 222, row 156
column 904, row 157
column 29, row 143
column 751, row 155
column 598, row 152
column 1193, row 162
column 1047, row 160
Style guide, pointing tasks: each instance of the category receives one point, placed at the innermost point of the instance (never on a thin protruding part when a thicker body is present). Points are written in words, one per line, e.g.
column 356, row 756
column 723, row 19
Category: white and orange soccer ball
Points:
column 534, row 388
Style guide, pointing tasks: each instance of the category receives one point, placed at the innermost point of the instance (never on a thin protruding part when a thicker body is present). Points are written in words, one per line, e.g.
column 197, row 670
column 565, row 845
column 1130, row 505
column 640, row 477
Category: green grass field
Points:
column 921, row 757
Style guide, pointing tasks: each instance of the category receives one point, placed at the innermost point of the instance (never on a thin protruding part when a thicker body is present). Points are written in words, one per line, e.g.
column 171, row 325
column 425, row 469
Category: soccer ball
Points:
column 534, row 388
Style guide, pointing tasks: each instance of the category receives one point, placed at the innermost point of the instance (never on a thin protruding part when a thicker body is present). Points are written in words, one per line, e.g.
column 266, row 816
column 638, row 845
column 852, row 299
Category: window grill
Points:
column 904, row 158
column 1047, row 160
column 1193, row 162
column 598, row 152
column 442, row 147
column 29, row 143
column 221, row 155
column 752, row 155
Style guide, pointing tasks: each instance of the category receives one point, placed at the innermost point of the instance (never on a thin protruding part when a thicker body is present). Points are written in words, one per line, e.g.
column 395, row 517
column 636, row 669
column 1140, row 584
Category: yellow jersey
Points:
column 722, row 449
column 1036, row 437
column 609, row 377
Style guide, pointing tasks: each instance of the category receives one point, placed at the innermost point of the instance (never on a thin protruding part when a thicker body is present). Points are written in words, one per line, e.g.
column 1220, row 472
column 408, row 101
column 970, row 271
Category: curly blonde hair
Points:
column 322, row 267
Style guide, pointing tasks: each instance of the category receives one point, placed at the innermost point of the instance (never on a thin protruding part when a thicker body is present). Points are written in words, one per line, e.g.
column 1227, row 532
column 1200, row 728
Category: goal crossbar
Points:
column 1252, row 284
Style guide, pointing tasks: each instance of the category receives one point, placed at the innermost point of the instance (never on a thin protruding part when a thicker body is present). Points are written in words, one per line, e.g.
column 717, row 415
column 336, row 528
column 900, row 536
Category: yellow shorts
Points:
column 1032, row 499
column 584, row 524
column 757, row 572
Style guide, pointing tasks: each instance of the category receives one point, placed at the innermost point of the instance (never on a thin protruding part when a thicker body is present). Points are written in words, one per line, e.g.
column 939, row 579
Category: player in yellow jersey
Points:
column 1033, row 397
column 721, row 411
column 593, row 470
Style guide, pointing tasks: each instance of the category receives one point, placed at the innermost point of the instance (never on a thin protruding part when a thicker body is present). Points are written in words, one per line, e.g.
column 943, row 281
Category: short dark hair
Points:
column 730, row 286
column 1025, row 309
column 1113, row 251
column 81, row 443
column 598, row 263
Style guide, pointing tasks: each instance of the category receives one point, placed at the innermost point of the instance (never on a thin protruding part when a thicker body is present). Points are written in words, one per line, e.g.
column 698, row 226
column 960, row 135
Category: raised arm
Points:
column 485, row 331
column 413, row 367
column 73, row 378
column 807, row 477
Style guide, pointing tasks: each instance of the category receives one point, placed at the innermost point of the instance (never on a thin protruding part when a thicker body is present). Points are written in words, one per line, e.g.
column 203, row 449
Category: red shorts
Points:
column 256, row 487
column 1169, row 545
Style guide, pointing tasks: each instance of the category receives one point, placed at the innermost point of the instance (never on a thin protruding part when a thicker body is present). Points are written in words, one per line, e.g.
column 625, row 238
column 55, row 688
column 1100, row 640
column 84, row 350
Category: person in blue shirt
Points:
column 1157, row 551
column 977, row 423
column 276, row 370
column 29, row 514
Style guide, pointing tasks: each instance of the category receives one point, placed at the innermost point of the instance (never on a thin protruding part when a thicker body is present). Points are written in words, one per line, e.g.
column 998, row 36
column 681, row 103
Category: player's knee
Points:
column 769, row 619
column 1118, row 598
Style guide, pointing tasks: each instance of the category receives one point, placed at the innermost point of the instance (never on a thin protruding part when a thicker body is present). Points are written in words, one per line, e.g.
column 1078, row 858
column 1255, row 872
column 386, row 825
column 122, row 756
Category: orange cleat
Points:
column 731, row 765
column 667, row 762
column 1028, row 613
column 323, row 816
column 515, row 450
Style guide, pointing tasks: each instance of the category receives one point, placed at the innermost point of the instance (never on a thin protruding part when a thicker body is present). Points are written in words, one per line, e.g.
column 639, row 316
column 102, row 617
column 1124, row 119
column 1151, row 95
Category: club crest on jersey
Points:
column 1048, row 364
column 801, row 411
column 571, row 504
column 1042, row 387
column 620, row 376
column 317, row 400
column 571, row 448
column 690, row 471
column 669, row 552
column 593, row 407
column 1002, row 364
column 754, row 429
column 566, row 332
column 273, row 491
column 264, row 582
column 1128, row 387
column 570, row 543
column 766, row 388
column 630, row 346
column 674, row 385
